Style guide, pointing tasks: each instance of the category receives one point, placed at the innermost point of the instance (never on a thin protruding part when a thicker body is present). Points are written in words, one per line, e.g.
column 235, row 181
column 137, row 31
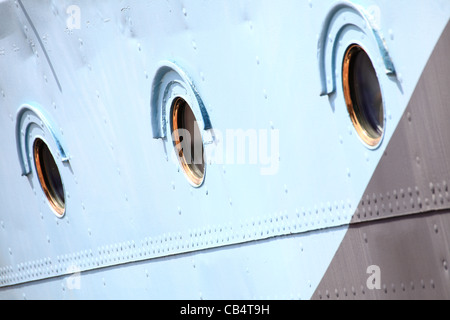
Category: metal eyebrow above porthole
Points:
column 350, row 43
column 344, row 24
column 178, row 112
column 38, row 143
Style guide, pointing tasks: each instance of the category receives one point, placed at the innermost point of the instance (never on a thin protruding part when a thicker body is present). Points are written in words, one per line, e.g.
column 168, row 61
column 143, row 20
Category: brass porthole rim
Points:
column 193, row 177
column 58, row 208
column 352, row 107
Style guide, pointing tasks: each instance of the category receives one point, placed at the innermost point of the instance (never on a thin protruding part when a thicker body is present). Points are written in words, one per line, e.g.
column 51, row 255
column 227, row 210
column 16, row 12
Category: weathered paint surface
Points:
column 134, row 227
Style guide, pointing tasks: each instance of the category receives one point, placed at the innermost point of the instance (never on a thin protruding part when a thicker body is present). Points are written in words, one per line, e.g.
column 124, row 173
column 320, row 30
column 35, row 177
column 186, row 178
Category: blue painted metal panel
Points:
column 266, row 227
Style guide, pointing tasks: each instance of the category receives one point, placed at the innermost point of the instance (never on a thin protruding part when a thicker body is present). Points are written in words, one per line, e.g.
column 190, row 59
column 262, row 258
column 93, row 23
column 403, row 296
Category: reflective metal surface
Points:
column 49, row 177
column 188, row 142
column 363, row 95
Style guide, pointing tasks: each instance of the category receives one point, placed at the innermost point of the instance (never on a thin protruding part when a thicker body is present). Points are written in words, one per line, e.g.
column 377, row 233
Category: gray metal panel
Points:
column 402, row 223
column 414, row 174
column 412, row 254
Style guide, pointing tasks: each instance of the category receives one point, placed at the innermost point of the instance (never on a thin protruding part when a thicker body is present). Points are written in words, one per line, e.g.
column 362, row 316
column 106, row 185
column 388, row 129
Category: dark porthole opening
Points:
column 188, row 141
column 363, row 95
column 49, row 177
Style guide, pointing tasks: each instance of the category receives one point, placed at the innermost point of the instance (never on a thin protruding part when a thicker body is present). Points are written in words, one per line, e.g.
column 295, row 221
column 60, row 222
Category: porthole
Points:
column 49, row 177
column 188, row 141
column 363, row 95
